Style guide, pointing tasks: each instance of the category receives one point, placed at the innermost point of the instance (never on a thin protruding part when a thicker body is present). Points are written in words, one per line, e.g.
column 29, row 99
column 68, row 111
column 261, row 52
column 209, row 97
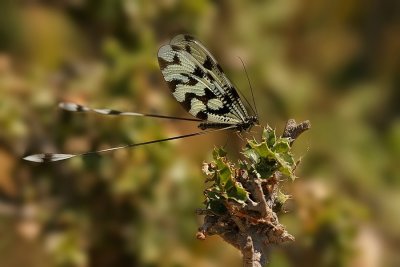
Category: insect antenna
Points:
column 49, row 157
column 251, row 88
column 242, row 95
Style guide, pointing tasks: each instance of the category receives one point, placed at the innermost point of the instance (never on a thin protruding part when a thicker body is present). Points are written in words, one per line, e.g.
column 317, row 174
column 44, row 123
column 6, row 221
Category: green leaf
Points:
column 282, row 146
column 251, row 155
column 224, row 172
column 266, row 167
column 285, row 168
column 261, row 149
column 269, row 136
column 288, row 158
column 219, row 152
column 238, row 193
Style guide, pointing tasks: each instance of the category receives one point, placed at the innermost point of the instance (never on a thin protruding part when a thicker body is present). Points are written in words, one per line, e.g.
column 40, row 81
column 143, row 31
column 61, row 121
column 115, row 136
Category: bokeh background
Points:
column 336, row 63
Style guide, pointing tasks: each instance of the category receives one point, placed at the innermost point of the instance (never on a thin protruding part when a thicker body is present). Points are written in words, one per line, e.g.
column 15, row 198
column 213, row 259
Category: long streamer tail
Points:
column 73, row 107
column 49, row 157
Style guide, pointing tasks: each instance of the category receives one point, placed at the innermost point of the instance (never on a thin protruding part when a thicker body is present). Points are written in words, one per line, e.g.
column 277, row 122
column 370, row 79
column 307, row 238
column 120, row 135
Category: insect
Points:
column 197, row 82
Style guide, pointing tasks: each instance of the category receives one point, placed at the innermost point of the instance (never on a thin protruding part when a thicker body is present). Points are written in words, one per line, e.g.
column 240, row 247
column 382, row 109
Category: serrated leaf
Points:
column 288, row 158
column 224, row 172
column 269, row 136
column 282, row 146
column 285, row 168
column 238, row 193
column 266, row 167
column 218, row 153
column 251, row 155
column 261, row 149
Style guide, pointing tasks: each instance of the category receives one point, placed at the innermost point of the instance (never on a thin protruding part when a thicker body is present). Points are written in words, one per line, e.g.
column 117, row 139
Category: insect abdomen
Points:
column 212, row 125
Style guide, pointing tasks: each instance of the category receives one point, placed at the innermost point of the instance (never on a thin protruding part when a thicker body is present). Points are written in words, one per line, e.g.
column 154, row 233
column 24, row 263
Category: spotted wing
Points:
column 198, row 82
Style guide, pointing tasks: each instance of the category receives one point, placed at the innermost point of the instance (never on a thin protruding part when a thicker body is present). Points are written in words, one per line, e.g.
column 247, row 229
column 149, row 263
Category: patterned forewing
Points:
column 198, row 83
column 205, row 58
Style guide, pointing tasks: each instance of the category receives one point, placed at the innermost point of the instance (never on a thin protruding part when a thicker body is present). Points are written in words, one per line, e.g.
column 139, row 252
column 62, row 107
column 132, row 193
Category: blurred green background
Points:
column 336, row 63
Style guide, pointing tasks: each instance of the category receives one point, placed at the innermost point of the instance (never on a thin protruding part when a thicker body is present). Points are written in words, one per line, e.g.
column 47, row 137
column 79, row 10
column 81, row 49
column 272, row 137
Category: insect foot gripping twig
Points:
column 243, row 200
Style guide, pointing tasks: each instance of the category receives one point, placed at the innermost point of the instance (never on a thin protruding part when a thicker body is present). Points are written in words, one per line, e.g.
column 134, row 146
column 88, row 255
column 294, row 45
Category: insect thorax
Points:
column 243, row 126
